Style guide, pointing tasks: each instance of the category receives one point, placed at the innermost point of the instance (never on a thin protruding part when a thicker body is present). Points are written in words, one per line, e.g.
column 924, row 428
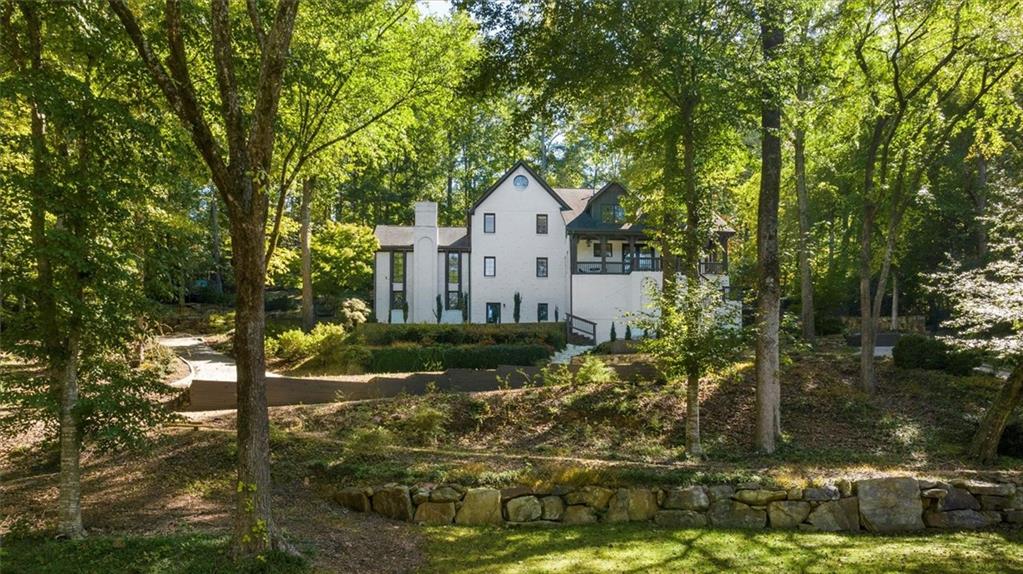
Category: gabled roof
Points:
column 399, row 237
column 529, row 170
column 611, row 186
column 577, row 199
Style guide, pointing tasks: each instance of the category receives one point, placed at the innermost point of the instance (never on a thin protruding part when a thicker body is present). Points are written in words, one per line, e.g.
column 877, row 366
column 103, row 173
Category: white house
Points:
column 569, row 254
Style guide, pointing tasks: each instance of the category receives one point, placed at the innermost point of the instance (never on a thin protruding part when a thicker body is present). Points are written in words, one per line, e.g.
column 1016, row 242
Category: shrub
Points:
column 409, row 358
column 424, row 424
column 353, row 312
column 593, row 370
column 383, row 334
column 614, row 334
column 280, row 303
column 921, row 352
column 628, row 333
column 370, row 442
column 294, row 345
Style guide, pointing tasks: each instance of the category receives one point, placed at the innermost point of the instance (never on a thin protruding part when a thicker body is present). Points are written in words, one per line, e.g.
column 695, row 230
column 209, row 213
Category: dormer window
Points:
column 520, row 182
column 612, row 214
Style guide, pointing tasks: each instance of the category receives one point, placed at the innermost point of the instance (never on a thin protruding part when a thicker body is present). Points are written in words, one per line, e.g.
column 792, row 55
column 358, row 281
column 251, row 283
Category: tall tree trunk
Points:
column 254, row 530
column 308, row 315
column 803, row 206
column 70, row 436
column 217, row 284
column 868, row 327
column 768, row 426
column 694, row 448
column 895, row 302
column 984, row 446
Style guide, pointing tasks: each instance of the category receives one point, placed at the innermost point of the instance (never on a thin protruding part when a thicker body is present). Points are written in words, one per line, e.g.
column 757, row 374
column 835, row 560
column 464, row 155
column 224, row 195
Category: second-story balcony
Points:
column 628, row 265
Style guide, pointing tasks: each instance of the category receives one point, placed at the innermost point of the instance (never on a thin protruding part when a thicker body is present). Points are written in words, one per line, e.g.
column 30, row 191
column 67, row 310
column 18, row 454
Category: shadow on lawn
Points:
column 641, row 548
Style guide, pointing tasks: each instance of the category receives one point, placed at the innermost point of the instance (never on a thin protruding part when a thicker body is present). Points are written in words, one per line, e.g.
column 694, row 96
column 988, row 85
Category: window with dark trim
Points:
column 453, row 272
column 597, row 248
column 541, row 223
column 612, row 213
column 493, row 312
column 397, row 280
column 541, row 312
column 541, row 266
column 489, row 266
column 489, row 223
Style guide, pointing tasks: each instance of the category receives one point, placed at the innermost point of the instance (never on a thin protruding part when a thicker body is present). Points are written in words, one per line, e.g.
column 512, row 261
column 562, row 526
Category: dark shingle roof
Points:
column 400, row 237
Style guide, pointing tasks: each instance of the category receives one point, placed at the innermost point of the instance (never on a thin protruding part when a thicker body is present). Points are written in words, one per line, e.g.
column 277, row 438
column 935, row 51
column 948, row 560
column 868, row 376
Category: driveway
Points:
column 209, row 365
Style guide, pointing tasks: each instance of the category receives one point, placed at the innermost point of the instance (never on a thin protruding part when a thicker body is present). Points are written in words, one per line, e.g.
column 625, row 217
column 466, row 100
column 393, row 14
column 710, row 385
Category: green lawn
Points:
column 177, row 554
column 643, row 548
column 601, row 548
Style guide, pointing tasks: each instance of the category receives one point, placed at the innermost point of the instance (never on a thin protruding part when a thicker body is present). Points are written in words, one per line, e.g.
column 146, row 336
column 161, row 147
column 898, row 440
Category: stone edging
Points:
column 184, row 382
column 886, row 504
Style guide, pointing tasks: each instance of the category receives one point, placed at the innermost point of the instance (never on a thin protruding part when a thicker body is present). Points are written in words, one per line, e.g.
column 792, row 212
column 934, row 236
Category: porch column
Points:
column 633, row 259
column 573, row 254
column 603, row 254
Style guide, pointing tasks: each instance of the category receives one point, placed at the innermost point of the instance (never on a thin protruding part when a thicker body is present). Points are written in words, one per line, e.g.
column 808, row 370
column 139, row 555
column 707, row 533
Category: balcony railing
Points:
column 617, row 267
column 713, row 268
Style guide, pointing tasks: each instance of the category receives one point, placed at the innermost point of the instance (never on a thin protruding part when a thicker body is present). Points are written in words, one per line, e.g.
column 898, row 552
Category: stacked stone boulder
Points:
column 884, row 504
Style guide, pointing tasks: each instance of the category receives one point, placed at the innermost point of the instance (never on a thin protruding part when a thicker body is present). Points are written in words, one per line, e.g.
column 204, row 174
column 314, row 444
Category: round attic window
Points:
column 520, row 182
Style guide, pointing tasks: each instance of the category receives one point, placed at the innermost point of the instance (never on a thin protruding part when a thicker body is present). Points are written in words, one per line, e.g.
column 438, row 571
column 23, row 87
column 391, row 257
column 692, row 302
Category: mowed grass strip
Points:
column 643, row 548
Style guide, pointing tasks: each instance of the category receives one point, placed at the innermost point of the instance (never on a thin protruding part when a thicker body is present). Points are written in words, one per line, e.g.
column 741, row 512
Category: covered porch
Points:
column 612, row 254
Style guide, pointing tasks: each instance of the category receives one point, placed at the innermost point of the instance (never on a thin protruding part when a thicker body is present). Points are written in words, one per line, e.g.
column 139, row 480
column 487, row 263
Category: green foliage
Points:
column 294, row 345
column 370, row 443
column 517, row 308
column 383, row 334
column 342, row 258
column 425, row 424
column 614, row 334
column 438, row 310
column 399, row 359
column 353, row 312
column 594, row 371
column 628, row 332
column 922, row 352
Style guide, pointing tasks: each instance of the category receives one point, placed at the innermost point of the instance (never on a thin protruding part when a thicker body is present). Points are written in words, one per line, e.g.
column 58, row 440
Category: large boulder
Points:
column 960, row 519
column 787, row 513
column 552, row 507
column 435, row 513
column 631, row 504
column 759, row 497
column 480, row 506
column 680, row 519
column 890, row 504
column 579, row 514
column 821, row 494
column 353, row 498
column 731, row 514
column 958, row 499
column 989, row 488
column 691, row 498
column 988, row 502
column 445, row 493
column 393, row 501
column 720, row 492
column 524, row 509
column 595, row 497
column 836, row 515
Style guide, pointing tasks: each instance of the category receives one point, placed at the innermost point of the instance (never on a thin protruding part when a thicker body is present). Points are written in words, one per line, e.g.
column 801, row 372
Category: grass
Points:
column 581, row 549
column 643, row 548
column 174, row 554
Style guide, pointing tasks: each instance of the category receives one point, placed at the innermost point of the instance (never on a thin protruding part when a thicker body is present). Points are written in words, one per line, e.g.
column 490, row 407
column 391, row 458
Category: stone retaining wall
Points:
column 888, row 504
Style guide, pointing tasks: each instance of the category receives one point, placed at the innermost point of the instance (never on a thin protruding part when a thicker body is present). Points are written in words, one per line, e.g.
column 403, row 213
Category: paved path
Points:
column 209, row 365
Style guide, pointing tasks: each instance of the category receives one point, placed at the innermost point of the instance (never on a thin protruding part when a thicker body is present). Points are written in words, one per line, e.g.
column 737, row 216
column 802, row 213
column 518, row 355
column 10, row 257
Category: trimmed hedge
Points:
column 385, row 334
column 920, row 352
column 406, row 358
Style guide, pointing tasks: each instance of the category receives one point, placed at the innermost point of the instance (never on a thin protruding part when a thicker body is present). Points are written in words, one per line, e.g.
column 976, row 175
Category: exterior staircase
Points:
column 564, row 356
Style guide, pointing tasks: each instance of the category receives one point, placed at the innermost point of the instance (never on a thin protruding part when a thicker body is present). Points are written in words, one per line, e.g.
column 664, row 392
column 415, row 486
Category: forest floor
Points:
column 624, row 433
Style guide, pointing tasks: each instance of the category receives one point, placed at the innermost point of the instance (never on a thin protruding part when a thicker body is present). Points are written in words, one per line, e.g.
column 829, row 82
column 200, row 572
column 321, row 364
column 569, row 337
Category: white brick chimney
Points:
column 424, row 280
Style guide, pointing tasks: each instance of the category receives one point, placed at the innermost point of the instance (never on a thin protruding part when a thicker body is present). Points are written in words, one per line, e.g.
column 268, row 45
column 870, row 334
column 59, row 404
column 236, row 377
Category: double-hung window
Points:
column 541, row 312
column 541, row 224
column 397, row 279
column 541, row 266
column 489, row 266
column 489, row 223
